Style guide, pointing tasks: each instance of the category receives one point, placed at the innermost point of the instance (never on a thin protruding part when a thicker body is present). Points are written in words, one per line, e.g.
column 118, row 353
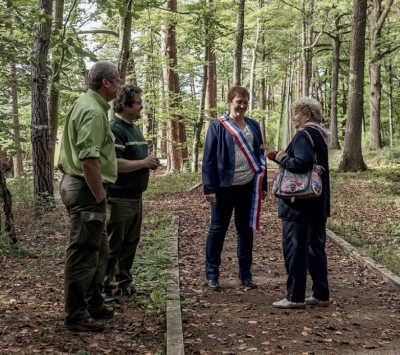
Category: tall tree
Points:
column 125, row 29
column 176, row 147
column 54, row 92
column 352, row 158
column 237, row 63
column 306, row 52
column 42, row 174
column 378, row 16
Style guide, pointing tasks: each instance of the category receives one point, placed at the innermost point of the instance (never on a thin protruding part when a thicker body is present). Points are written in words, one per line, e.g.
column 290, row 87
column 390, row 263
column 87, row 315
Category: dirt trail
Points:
column 363, row 318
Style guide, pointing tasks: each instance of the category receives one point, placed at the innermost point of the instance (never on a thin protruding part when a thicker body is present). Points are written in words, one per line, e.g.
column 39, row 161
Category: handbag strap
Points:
column 312, row 143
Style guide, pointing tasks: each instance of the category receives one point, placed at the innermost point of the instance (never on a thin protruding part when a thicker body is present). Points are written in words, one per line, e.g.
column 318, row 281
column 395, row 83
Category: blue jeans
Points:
column 304, row 248
column 238, row 198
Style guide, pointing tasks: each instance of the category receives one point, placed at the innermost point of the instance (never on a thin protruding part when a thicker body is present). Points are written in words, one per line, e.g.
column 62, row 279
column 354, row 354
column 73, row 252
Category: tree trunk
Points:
column 306, row 53
column 176, row 133
column 352, row 159
column 148, row 112
column 17, row 158
column 390, row 104
column 378, row 17
column 54, row 92
column 42, row 174
column 237, row 64
column 254, row 61
column 5, row 196
column 125, row 29
column 334, row 137
column 210, row 104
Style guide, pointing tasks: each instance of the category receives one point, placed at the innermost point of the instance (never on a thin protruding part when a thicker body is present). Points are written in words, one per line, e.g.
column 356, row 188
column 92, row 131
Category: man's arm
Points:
column 92, row 173
column 127, row 166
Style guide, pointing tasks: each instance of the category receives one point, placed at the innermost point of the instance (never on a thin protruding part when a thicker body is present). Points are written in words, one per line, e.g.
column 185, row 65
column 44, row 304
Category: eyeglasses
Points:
column 137, row 102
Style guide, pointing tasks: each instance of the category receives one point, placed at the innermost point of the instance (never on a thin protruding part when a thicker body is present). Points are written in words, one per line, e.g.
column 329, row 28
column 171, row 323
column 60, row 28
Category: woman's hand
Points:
column 263, row 195
column 212, row 198
column 270, row 153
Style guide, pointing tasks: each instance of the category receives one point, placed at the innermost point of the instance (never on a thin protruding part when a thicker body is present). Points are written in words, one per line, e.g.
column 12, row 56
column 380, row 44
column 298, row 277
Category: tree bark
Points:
column 54, row 92
column 237, row 64
column 42, row 174
column 334, row 137
column 17, row 158
column 176, row 133
column 125, row 29
column 5, row 196
column 352, row 159
column 378, row 16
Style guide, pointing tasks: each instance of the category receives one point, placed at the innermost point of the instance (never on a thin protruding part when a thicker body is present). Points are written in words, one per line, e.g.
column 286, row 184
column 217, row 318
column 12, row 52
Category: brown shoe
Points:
column 106, row 313
column 85, row 325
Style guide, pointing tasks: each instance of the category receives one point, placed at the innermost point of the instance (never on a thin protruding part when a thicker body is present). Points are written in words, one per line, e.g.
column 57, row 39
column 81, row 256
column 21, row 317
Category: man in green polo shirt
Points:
column 87, row 160
column 125, row 196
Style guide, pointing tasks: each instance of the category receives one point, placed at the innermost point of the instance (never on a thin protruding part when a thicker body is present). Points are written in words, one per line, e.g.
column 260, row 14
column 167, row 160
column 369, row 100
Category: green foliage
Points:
column 152, row 261
column 171, row 182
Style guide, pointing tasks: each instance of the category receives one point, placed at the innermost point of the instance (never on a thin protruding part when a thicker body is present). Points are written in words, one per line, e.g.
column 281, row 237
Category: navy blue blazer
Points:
column 299, row 159
column 219, row 155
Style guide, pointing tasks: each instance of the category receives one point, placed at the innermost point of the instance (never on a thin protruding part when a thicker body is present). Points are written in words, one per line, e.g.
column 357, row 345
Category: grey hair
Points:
column 308, row 107
column 98, row 72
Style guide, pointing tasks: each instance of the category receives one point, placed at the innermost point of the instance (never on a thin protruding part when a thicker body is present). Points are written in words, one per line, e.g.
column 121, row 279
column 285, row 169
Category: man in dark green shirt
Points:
column 125, row 195
column 87, row 160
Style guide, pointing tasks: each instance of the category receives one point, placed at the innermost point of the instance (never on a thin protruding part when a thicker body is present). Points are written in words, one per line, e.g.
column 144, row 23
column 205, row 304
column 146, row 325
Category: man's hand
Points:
column 212, row 198
column 151, row 162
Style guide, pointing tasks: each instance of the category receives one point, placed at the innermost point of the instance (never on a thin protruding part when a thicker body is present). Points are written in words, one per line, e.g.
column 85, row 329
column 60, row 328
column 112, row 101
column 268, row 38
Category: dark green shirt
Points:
column 130, row 145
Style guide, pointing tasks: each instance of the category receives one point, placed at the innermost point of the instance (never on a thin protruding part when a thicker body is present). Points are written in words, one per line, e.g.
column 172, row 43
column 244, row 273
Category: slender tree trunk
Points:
column 5, row 197
column 263, row 93
column 352, row 159
column 211, row 90
column 237, row 64
column 17, row 158
column 54, row 92
column 390, row 105
column 378, row 16
column 42, row 173
column 176, row 133
column 125, row 29
column 334, row 137
column 149, row 112
column 306, row 53
column 253, row 67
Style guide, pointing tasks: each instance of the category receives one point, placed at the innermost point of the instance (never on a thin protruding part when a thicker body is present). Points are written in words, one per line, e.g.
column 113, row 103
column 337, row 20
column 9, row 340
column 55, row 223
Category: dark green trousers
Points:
column 123, row 237
column 88, row 250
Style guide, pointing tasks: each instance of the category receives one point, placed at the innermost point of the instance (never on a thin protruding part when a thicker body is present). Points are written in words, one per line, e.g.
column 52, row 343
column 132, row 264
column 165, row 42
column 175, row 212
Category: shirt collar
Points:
column 123, row 119
column 101, row 100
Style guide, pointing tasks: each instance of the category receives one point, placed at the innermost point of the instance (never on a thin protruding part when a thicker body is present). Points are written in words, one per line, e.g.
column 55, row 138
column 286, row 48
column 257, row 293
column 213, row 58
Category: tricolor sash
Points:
column 257, row 165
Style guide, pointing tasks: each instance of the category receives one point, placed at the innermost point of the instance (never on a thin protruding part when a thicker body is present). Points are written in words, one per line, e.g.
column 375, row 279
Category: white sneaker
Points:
column 312, row 301
column 285, row 303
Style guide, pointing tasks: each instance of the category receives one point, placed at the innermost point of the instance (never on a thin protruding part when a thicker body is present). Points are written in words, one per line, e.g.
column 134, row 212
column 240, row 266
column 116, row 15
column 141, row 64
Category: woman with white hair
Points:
column 304, row 220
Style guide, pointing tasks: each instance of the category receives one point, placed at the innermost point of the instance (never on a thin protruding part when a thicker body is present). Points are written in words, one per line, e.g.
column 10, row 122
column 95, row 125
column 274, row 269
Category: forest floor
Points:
column 363, row 318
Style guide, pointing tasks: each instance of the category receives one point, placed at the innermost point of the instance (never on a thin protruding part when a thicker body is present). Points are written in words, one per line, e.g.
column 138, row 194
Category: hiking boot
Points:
column 286, row 304
column 109, row 297
column 312, row 301
column 84, row 325
column 106, row 313
column 213, row 285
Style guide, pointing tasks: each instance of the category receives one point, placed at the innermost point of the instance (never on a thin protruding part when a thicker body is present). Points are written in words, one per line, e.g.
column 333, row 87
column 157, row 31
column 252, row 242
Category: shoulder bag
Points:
column 288, row 185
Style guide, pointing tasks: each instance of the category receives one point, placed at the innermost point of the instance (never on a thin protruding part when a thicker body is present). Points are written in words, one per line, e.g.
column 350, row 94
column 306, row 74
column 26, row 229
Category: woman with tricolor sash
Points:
column 234, row 179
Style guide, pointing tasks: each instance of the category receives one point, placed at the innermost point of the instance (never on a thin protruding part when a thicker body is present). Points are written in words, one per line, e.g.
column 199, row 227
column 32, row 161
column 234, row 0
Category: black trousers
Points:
column 304, row 248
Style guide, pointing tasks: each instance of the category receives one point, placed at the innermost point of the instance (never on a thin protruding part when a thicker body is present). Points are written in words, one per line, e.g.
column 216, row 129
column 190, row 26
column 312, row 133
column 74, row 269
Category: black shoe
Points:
column 109, row 297
column 129, row 291
column 249, row 283
column 213, row 285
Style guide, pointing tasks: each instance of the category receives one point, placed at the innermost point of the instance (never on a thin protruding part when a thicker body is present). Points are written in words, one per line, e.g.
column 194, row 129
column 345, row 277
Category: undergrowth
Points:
column 365, row 206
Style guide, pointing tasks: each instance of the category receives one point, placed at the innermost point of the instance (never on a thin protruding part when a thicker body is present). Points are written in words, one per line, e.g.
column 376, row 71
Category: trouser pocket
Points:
column 89, row 227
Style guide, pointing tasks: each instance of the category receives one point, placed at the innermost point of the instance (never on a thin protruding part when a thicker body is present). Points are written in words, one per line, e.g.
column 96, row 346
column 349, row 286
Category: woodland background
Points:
column 186, row 55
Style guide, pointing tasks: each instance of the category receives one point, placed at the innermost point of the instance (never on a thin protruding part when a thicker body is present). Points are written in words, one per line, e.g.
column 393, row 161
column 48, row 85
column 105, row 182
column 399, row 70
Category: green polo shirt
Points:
column 87, row 134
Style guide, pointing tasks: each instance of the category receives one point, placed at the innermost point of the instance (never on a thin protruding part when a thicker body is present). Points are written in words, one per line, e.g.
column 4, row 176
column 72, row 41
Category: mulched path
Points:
column 364, row 316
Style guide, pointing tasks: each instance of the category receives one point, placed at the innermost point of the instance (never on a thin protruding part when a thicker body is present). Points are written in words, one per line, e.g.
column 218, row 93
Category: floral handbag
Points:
column 288, row 185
